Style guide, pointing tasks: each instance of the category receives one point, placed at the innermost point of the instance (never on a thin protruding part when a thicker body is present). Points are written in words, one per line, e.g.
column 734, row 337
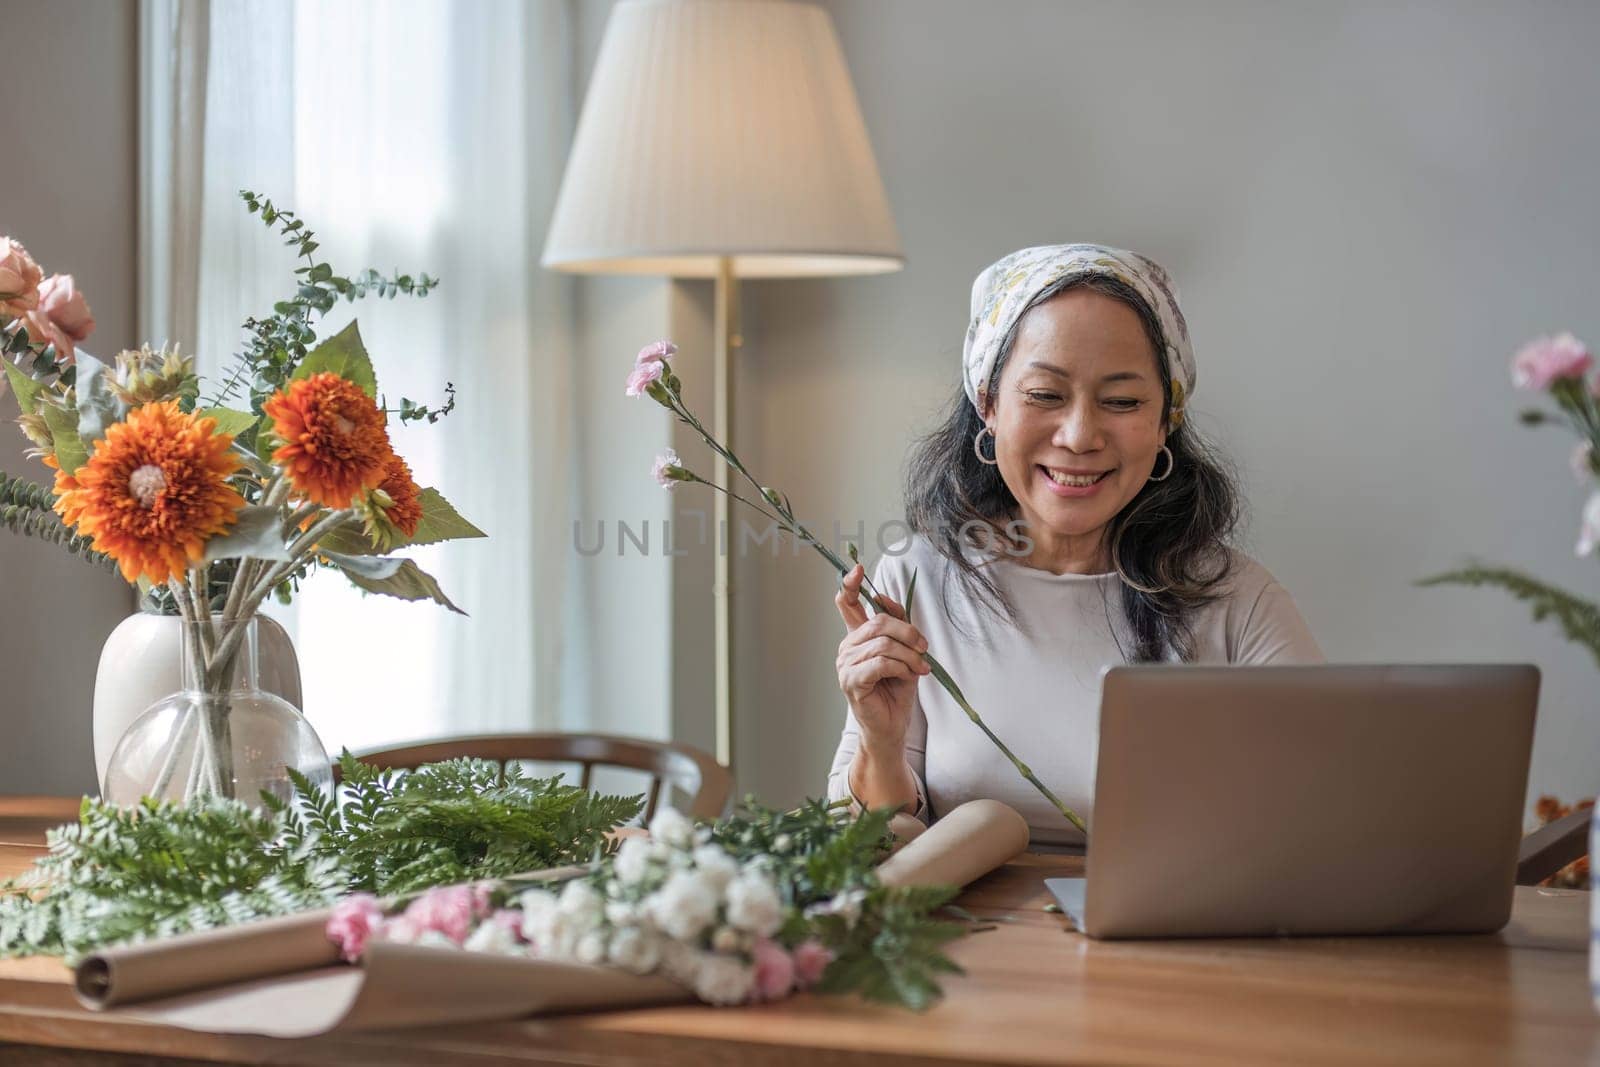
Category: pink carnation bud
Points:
column 355, row 919
column 1542, row 363
column 642, row 375
column 667, row 471
column 775, row 971
column 656, row 352
column 811, row 958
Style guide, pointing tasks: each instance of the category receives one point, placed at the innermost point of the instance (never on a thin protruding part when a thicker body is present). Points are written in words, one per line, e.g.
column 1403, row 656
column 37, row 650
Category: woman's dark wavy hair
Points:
column 1169, row 544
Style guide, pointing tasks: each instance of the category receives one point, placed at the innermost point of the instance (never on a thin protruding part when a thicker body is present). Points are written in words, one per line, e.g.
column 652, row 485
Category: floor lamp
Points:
column 721, row 139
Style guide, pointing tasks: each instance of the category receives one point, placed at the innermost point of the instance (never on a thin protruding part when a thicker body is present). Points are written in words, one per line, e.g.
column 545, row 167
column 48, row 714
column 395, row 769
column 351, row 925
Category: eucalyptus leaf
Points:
column 98, row 406
column 230, row 422
column 70, row 450
column 342, row 354
column 26, row 388
column 257, row 535
column 409, row 582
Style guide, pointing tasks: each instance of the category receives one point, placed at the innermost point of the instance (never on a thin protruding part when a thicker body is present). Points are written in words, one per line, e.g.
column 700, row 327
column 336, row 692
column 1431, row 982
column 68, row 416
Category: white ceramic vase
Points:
column 142, row 662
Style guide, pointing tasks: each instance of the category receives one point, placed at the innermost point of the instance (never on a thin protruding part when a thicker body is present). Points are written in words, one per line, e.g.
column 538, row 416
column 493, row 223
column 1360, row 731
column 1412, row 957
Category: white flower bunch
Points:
column 672, row 903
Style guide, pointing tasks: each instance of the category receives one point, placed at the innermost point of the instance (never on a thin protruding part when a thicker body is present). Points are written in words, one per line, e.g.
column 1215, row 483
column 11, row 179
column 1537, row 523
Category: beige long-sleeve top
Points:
column 1037, row 685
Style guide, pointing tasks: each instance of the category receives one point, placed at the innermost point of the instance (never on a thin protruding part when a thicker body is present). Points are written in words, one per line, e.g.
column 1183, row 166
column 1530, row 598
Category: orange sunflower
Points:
column 68, row 507
column 405, row 508
column 334, row 445
column 154, row 492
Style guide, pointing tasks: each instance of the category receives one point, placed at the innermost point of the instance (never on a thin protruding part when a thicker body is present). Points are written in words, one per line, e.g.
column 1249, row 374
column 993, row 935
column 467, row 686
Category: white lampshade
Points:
column 721, row 129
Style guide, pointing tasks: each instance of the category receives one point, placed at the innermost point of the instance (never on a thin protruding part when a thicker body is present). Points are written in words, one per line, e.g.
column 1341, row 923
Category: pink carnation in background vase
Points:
column 655, row 352
column 355, row 919
column 19, row 279
column 643, row 374
column 1542, row 362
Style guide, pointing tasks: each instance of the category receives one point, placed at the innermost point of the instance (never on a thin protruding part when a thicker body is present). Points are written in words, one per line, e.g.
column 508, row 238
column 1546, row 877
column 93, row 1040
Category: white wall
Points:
column 67, row 192
column 1368, row 207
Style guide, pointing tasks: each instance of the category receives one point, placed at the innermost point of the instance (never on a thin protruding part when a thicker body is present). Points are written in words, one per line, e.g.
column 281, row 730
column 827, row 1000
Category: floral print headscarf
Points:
column 1006, row 288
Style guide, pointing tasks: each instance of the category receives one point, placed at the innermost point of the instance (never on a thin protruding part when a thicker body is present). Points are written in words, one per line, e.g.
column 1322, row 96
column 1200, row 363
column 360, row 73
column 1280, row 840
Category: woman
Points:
column 1065, row 519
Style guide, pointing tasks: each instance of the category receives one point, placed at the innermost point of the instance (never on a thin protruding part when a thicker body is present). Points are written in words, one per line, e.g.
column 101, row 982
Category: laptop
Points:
column 1269, row 801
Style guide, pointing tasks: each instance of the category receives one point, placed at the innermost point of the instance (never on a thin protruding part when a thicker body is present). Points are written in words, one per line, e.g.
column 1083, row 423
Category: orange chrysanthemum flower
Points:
column 69, row 507
column 154, row 492
column 334, row 446
column 405, row 509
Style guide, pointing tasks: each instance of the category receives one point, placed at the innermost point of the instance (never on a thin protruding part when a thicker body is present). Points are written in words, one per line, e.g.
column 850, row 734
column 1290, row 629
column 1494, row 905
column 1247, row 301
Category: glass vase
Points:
column 221, row 734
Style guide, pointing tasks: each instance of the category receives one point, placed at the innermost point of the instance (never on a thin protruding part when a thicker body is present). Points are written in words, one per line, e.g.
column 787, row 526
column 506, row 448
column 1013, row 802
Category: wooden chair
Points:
column 707, row 782
column 1553, row 846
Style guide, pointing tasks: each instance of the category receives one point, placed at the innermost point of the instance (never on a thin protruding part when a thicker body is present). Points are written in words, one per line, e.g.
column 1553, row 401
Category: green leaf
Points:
column 342, row 354
column 407, row 582
column 347, row 540
column 230, row 422
column 26, row 388
column 440, row 522
column 258, row 535
column 70, row 450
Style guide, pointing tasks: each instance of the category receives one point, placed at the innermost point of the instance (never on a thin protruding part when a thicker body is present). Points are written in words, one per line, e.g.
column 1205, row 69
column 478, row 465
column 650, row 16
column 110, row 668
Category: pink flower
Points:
column 68, row 310
column 355, row 919
column 1543, row 362
column 655, row 353
column 666, row 469
column 774, row 970
column 811, row 958
column 448, row 911
column 19, row 279
column 41, row 332
column 643, row 375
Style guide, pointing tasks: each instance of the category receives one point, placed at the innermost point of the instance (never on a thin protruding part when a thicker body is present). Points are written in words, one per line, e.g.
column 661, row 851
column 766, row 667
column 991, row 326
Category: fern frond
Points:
column 1579, row 619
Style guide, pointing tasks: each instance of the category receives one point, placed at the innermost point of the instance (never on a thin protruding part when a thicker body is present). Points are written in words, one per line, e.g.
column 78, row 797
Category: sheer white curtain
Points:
column 411, row 135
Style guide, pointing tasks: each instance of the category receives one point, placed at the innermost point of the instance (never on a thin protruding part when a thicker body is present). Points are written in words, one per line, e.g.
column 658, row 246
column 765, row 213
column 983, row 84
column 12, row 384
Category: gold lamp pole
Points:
column 722, row 139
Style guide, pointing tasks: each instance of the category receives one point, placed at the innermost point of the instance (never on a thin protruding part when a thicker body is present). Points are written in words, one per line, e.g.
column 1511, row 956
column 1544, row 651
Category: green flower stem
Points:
column 786, row 519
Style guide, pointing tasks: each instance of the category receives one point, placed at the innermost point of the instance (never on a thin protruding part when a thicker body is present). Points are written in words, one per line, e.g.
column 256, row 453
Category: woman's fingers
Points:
column 851, row 610
column 868, row 673
column 879, row 647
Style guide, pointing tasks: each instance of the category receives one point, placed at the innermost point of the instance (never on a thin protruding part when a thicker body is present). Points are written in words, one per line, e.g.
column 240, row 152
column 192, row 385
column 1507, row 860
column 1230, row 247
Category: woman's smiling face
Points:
column 1078, row 423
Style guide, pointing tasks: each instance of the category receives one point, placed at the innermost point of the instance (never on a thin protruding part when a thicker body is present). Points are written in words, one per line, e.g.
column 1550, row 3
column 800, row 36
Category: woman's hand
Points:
column 879, row 662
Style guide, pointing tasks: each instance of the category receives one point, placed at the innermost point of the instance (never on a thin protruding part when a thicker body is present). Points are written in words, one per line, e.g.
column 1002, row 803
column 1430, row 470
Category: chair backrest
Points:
column 684, row 767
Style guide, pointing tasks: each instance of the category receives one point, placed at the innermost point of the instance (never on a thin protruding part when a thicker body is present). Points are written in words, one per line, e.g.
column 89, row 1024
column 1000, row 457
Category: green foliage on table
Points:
column 120, row 875
column 451, row 822
column 890, row 947
column 1579, row 619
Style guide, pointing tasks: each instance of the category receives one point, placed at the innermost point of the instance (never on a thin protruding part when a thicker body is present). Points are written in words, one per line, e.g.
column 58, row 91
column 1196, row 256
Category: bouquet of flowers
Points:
column 1558, row 366
column 760, row 905
column 652, row 376
column 211, row 507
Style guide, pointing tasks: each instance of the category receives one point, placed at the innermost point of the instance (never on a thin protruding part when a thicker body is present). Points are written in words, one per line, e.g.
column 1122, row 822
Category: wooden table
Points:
column 1033, row 993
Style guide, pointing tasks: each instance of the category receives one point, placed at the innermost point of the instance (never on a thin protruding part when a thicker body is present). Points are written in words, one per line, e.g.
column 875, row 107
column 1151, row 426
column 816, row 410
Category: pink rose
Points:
column 60, row 300
column 811, row 958
column 355, row 919
column 655, row 353
column 448, row 911
column 1543, row 362
column 642, row 375
column 774, row 970
column 41, row 332
column 19, row 279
